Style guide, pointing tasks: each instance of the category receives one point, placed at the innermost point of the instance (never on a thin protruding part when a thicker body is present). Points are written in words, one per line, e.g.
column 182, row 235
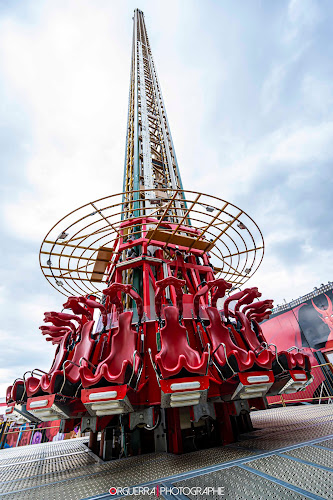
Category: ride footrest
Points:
column 106, row 400
column 253, row 385
column 46, row 409
column 298, row 381
column 18, row 413
column 188, row 391
column 290, row 381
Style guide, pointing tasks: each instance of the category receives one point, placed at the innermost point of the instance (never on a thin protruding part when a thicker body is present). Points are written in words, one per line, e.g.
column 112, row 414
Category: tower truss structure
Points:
column 151, row 167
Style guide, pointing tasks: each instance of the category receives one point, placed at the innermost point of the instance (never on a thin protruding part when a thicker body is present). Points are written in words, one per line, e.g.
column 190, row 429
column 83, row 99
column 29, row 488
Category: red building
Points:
column 307, row 323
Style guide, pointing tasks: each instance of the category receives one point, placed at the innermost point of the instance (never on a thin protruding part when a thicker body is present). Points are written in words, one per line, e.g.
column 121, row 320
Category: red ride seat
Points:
column 302, row 361
column 9, row 394
column 176, row 353
column 284, row 360
column 237, row 358
column 18, row 391
column 264, row 357
column 56, row 383
column 33, row 384
column 287, row 360
column 118, row 366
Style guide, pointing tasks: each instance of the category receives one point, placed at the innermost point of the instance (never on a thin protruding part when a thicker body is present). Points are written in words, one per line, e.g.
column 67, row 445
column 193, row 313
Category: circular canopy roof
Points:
column 76, row 251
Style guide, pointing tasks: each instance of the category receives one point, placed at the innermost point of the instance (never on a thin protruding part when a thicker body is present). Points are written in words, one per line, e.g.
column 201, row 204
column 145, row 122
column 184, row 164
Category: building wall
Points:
column 307, row 325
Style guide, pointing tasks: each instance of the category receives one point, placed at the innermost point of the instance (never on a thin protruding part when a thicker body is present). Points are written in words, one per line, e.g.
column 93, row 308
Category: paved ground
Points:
column 291, row 456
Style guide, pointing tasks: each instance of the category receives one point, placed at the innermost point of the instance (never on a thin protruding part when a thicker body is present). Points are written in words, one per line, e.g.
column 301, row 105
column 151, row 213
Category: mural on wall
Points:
column 308, row 325
column 21, row 435
column 316, row 321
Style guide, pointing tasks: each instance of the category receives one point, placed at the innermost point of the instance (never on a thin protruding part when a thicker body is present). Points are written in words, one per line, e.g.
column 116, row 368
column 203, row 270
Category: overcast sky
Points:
column 248, row 89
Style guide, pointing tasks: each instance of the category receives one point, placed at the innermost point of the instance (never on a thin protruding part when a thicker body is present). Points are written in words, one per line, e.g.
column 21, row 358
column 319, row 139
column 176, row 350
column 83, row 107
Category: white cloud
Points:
column 60, row 73
column 33, row 309
column 303, row 17
column 23, row 351
column 294, row 150
column 307, row 144
column 290, row 284
column 317, row 95
column 272, row 86
column 304, row 12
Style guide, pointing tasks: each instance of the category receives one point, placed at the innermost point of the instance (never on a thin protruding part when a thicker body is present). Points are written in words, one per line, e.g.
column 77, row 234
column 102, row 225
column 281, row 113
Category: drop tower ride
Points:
column 177, row 351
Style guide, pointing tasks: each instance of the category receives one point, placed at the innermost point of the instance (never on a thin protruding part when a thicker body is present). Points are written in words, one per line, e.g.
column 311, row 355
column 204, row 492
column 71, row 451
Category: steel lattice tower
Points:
column 150, row 159
column 154, row 228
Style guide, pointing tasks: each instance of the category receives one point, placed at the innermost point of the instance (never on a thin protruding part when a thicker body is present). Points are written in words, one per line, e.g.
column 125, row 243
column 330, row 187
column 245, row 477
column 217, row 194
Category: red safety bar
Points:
column 229, row 357
column 66, row 378
column 33, row 384
column 161, row 285
column 220, row 284
column 112, row 293
column 264, row 356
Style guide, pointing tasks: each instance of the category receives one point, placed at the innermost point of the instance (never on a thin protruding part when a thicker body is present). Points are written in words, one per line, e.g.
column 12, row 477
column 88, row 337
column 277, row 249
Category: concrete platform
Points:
column 289, row 456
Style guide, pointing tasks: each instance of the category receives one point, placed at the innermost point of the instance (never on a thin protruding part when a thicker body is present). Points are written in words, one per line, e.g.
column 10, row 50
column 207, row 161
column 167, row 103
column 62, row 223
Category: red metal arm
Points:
column 161, row 285
column 221, row 286
column 73, row 303
column 112, row 293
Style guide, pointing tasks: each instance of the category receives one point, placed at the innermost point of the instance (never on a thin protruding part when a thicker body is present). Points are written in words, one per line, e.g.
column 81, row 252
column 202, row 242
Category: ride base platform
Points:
column 289, row 455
